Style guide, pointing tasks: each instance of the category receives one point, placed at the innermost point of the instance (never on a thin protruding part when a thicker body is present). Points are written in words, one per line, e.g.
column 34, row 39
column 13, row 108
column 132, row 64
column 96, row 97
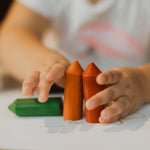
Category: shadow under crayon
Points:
column 58, row 125
column 53, row 124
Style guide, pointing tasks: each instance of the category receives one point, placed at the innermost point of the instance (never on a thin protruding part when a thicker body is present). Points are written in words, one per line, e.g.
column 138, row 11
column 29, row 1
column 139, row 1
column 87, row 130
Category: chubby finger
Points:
column 44, row 87
column 104, row 121
column 108, row 77
column 103, row 97
column 30, row 84
column 115, row 111
column 56, row 72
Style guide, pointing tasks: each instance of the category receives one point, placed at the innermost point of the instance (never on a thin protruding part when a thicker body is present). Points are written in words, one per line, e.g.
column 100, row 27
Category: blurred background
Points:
column 4, row 5
column 6, row 81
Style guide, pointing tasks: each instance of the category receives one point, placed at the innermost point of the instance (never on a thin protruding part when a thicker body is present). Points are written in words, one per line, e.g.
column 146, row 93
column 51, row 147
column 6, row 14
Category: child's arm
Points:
column 127, row 87
column 24, row 55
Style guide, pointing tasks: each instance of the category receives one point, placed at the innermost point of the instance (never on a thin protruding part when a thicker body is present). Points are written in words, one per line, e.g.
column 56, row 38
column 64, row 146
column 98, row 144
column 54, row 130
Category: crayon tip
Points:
column 12, row 107
column 75, row 68
column 91, row 70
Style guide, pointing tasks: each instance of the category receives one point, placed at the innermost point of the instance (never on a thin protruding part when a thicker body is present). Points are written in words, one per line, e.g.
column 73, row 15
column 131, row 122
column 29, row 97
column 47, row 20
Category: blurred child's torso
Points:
column 109, row 32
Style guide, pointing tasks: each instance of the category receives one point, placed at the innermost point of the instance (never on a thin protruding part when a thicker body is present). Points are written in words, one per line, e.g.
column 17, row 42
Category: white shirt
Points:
column 110, row 33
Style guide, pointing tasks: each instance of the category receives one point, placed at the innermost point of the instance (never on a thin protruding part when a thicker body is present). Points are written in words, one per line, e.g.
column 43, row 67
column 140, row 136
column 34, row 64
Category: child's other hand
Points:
column 48, row 69
column 125, row 89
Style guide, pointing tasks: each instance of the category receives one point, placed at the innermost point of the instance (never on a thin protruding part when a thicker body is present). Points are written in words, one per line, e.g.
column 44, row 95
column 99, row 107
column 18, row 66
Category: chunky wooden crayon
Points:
column 73, row 94
column 31, row 107
column 90, row 88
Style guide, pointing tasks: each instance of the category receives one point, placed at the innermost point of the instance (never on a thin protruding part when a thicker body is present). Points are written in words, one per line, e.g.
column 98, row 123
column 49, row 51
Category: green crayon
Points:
column 31, row 107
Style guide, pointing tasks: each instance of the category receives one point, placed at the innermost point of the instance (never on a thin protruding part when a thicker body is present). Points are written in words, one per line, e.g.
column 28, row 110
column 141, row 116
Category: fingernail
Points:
column 25, row 90
column 101, row 79
column 89, row 105
column 101, row 120
column 42, row 98
column 48, row 76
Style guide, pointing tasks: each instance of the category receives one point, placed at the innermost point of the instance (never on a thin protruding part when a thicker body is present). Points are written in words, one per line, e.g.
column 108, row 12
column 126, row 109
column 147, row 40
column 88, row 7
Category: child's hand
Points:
column 48, row 69
column 125, row 89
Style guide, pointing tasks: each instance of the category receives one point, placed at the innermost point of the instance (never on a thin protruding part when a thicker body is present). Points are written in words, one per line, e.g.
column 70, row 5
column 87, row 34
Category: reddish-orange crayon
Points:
column 73, row 95
column 90, row 88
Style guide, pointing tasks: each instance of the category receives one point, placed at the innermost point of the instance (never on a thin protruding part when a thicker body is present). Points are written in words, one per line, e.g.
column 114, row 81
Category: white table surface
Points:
column 53, row 133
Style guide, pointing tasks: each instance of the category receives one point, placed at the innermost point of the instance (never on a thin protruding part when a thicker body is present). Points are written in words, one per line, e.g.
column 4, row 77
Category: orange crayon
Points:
column 73, row 94
column 90, row 88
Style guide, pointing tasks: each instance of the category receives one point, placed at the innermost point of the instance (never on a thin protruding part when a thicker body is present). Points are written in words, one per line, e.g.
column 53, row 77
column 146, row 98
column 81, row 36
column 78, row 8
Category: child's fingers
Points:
column 50, row 76
column 104, row 121
column 30, row 83
column 108, row 77
column 103, row 97
column 115, row 111
column 43, row 88
column 56, row 72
